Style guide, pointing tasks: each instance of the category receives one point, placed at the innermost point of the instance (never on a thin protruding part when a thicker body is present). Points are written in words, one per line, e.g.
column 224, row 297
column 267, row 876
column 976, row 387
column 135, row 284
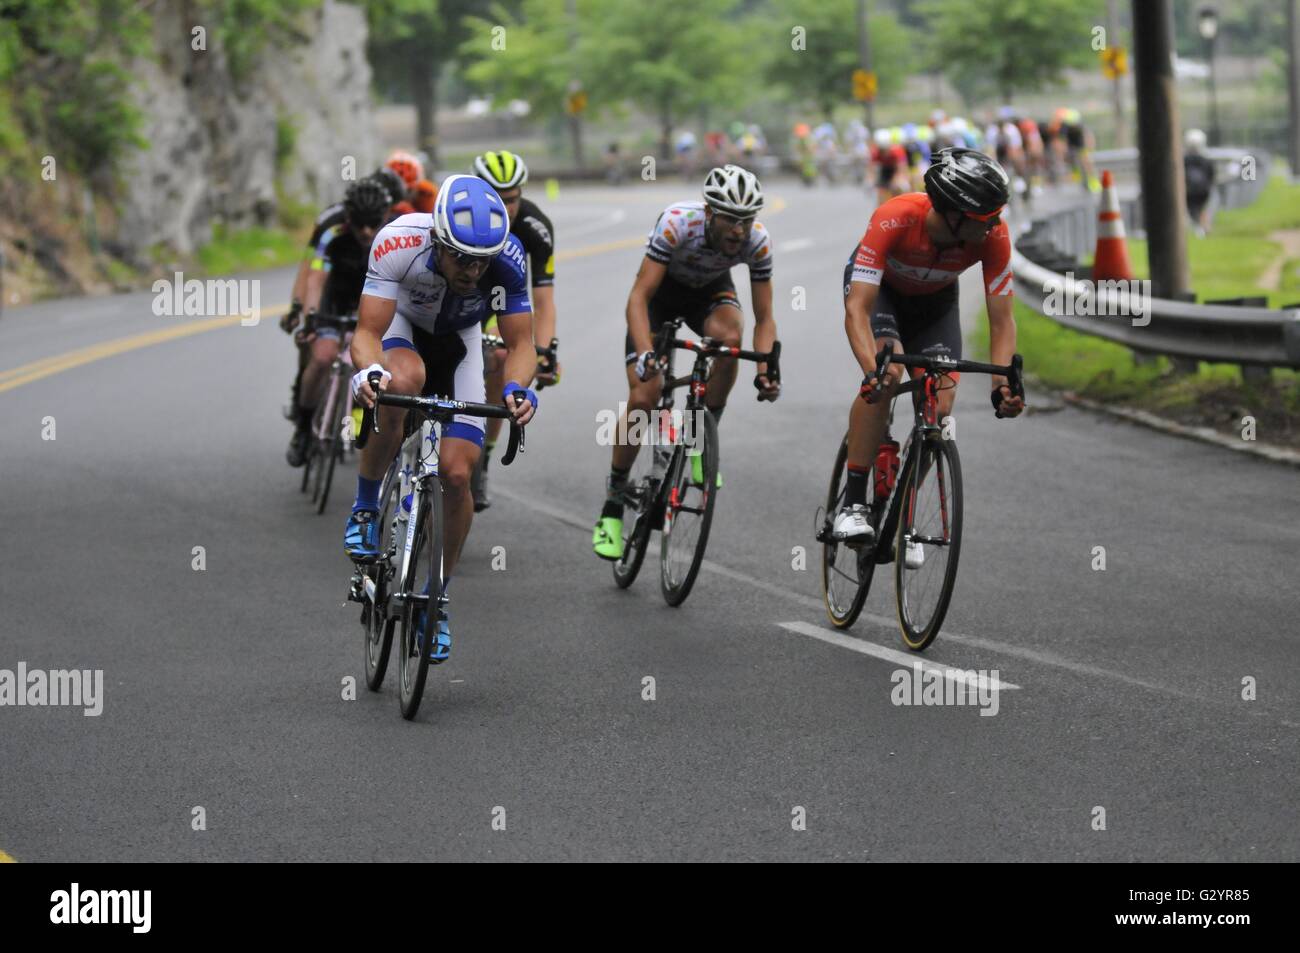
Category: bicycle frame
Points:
column 417, row 463
column 925, row 424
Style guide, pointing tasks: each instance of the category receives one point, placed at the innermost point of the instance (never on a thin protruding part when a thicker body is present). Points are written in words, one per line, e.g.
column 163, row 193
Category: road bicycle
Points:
column 675, row 491
column 920, row 507
column 407, row 577
column 333, row 425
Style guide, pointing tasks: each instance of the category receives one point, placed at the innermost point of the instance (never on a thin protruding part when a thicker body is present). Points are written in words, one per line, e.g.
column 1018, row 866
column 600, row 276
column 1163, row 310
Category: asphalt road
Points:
column 223, row 688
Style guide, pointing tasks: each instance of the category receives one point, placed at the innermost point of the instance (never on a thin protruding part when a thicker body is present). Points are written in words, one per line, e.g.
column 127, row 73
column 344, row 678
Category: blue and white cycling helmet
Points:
column 469, row 217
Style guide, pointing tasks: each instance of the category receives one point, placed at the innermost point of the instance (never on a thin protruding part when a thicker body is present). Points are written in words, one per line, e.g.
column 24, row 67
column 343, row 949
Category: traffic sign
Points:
column 1114, row 62
column 864, row 85
column 575, row 102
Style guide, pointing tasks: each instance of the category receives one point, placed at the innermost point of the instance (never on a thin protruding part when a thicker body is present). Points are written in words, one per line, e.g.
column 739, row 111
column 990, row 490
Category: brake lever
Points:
column 370, row 416
column 516, row 444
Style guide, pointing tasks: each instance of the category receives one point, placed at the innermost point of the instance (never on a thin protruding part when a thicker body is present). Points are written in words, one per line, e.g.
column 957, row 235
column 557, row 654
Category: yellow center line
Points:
column 6, row 859
column 56, row 364
column 37, row 370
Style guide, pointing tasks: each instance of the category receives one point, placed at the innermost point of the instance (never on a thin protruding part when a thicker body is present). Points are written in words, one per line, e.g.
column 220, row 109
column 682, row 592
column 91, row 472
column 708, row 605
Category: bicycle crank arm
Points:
column 399, row 600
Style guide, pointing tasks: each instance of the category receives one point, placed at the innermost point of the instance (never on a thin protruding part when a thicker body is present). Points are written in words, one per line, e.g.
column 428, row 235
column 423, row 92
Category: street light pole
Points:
column 1293, row 83
column 1208, row 25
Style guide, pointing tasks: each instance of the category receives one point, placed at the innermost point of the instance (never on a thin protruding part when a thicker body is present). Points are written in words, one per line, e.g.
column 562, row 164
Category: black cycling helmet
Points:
column 367, row 203
column 966, row 181
column 395, row 184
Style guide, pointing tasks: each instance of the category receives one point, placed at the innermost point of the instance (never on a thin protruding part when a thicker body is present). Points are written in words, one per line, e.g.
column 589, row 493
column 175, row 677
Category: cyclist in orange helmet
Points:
column 407, row 166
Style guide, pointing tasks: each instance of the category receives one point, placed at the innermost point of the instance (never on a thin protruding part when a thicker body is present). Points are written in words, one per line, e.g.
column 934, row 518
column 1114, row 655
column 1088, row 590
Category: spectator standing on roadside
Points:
column 1198, row 174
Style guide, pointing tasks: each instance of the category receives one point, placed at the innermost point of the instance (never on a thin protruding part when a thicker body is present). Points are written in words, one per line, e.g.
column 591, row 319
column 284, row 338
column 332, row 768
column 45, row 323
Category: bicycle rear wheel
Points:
column 641, row 505
column 846, row 570
column 931, row 520
column 377, row 622
column 424, row 576
column 688, row 514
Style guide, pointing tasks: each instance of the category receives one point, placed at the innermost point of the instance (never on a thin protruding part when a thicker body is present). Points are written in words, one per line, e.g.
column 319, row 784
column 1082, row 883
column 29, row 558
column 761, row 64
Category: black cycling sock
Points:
column 302, row 417
column 855, row 488
column 717, row 413
column 613, row 498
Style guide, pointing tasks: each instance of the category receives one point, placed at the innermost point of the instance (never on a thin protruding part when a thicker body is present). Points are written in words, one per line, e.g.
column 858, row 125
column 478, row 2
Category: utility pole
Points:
column 1160, row 148
column 1293, row 83
column 864, row 58
column 1117, row 85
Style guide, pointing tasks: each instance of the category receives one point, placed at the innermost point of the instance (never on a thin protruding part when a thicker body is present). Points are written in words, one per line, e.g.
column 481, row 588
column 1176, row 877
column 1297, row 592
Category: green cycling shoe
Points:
column 697, row 470
column 607, row 539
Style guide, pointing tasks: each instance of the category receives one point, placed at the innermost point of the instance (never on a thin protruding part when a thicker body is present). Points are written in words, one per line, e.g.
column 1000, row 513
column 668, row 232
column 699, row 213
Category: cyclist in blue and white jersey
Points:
column 431, row 281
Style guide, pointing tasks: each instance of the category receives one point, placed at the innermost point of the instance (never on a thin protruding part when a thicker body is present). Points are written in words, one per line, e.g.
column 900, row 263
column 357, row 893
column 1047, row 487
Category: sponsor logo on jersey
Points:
column 515, row 253
column 541, row 229
column 396, row 242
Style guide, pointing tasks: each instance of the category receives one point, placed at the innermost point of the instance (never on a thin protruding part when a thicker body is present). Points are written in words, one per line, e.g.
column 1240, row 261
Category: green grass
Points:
column 249, row 250
column 1226, row 264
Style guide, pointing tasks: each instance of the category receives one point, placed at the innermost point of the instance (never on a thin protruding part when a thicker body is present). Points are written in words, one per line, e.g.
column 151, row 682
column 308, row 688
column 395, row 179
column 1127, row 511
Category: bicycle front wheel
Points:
column 332, row 419
column 929, row 541
column 692, row 492
column 424, row 577
column 846, row 570
column 375, row 617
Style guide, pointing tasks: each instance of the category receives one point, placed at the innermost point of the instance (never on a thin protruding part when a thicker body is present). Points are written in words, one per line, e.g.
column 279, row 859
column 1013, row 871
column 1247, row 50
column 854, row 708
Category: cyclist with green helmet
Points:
column 506, row 172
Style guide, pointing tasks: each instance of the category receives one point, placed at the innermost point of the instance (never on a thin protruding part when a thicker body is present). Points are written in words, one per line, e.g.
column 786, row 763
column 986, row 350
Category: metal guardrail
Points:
column 1254, row 337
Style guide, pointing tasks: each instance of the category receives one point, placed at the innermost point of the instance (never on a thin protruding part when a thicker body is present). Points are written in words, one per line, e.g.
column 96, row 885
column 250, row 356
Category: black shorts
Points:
column 924, row 324
column 1074, row 137
column 676, row 300
column 885, row 176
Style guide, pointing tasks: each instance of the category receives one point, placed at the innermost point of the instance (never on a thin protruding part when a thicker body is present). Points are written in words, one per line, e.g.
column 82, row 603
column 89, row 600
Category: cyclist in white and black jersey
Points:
column 686, row 273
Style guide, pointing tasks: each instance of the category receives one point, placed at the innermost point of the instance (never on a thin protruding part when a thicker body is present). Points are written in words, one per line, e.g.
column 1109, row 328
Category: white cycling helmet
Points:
column 503, row 170
column 734, row 191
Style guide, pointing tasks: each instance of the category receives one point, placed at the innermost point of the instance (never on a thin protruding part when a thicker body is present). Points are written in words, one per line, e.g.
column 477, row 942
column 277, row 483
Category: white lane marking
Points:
column 951, row 672
column 796, row 244
column 1039, row 657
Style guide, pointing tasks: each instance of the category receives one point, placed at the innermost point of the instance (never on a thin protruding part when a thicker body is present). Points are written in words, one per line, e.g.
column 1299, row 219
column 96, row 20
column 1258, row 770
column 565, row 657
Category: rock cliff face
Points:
column 214, row 136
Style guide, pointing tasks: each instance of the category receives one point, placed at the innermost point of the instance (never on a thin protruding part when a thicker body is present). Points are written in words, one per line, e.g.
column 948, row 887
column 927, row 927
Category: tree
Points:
column 409, row 41
column 671, row 59
column 822, row 71
column 1010, row 45
column 65, row 85
column 536, row 58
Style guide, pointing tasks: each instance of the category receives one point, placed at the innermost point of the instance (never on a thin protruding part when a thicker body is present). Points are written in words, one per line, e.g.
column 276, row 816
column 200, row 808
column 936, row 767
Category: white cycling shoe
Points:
column 914, row 558
column 852, row 525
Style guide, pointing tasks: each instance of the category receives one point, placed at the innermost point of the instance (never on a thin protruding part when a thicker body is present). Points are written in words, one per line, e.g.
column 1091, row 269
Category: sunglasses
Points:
column 991, row 219
column 731, row 221
column 465, row 259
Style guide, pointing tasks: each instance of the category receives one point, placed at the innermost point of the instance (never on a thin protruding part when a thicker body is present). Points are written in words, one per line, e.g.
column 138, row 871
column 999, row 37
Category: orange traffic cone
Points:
column 1111, row 259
